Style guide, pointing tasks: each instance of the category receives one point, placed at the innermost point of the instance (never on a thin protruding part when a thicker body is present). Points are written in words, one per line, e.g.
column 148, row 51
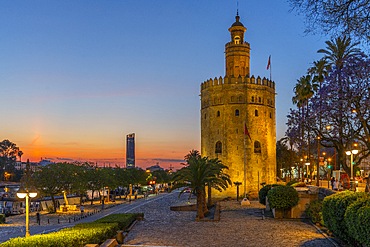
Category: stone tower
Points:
column 238, row 119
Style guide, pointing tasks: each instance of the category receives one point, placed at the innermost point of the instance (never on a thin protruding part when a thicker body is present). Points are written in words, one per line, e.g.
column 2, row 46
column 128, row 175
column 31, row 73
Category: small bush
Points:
column 333, row 209
column 357, row 220
column 263, row 193
column 299, row 184
column 283, row 197
column 314, row 212
column 292, row 182
column 2, row 218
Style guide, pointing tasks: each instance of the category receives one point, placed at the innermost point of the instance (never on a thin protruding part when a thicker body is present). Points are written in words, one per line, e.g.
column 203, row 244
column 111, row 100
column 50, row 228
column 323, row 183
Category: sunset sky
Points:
column 77, row 76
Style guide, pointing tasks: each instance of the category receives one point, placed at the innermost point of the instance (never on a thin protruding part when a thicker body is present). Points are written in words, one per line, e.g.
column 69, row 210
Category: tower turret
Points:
column 237, row 52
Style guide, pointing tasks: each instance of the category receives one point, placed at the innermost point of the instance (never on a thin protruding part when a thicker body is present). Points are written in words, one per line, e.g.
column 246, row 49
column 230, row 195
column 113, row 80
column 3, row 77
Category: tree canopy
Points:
column 336, row 17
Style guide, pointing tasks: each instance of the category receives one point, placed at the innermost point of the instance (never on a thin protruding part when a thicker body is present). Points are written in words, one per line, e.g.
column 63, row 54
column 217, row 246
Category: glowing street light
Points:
column 26, row 194
column 351, row 153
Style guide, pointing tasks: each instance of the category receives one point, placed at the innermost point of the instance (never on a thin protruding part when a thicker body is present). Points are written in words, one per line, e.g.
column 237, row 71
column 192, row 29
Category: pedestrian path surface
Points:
column 238, row 226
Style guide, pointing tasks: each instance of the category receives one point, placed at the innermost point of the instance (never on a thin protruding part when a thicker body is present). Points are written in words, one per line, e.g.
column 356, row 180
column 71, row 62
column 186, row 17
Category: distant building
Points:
column 130, row 150
column 154, row 168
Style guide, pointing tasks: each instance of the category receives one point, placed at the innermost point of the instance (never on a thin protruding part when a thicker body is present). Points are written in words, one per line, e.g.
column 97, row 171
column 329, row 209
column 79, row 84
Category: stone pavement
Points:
column 238, row 226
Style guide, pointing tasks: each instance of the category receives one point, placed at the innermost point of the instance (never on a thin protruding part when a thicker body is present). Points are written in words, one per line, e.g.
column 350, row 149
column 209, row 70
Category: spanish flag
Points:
column 269, row 63
column 246, row 132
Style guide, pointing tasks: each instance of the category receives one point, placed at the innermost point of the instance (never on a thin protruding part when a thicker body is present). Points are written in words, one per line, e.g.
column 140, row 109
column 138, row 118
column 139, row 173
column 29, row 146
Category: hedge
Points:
column 79, row 235
column 283, row 197
column 333, row 210
column 263, row 193
column 357, row 220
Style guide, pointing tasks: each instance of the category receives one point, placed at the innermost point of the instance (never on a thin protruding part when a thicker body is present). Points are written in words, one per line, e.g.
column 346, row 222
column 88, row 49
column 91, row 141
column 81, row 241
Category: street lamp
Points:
column 307, row 164
column 351, row 153
column 26, row 194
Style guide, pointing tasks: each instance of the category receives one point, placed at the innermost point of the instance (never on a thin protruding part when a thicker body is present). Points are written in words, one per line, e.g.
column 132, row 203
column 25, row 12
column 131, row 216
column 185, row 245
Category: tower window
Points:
column 232, row 98
column 240, row 99
column 257, row 147
column 237, row 112
column 270, row 115
column 205, row 116
column 237, row 40
column 259, row 100
column 256, row 113
column 218, row 113
column 218, row 149
column 252, row 98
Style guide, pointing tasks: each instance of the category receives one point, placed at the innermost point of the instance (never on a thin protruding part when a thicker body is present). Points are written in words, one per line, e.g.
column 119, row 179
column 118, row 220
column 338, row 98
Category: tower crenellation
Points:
column 240, row 80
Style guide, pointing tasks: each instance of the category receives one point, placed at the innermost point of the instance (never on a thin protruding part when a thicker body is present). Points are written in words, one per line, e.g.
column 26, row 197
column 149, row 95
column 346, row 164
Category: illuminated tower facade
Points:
column 238, row 123
column 130, row 150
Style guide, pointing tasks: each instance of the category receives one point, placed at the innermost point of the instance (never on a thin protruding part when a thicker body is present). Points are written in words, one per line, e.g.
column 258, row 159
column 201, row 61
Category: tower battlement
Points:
column 240, row 80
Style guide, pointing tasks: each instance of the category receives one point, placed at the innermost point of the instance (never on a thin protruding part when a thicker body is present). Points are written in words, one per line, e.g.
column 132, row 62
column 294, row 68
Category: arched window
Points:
column 259, row 100
column 232, row 98
column 270, row 115
column 237, row 112
column 218, row 149
column 256, row 113
column 205, row 116
column 257, row 147
column 218, row 113
column 252, row 98
column 237, row 40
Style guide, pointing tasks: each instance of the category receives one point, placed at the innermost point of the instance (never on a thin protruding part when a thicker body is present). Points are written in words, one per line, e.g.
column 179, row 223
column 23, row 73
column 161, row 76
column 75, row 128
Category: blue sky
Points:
column 77, row 76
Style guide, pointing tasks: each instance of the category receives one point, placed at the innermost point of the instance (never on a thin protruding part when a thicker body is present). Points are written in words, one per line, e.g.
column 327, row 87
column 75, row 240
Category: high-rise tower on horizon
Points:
column 238, row 124
column 130, row 150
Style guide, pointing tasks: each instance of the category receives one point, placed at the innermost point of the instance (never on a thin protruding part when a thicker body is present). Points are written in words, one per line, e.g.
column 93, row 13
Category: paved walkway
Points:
column 238, row 226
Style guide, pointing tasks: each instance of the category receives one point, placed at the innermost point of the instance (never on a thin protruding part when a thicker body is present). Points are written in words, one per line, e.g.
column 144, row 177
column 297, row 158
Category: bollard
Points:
column 120, row 237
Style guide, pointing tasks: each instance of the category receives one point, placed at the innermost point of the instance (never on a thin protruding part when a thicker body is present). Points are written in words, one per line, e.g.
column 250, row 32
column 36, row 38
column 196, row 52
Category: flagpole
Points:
column 270, row 69
column 245, row 164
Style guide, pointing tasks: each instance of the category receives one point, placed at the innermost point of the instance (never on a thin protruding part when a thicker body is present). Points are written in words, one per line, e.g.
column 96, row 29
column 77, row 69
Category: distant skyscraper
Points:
column 130, row 150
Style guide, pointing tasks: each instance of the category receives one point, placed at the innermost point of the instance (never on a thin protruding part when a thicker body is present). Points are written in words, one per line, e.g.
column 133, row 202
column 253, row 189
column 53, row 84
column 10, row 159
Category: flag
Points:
column 269, row 63
column 246, row 132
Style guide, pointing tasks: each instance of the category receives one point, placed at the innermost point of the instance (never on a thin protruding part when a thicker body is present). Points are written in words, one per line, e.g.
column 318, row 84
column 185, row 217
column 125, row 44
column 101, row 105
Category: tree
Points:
column 197, row 173
column 8, row 156
column 48, row 181
column 350, row 17
column 220, row 181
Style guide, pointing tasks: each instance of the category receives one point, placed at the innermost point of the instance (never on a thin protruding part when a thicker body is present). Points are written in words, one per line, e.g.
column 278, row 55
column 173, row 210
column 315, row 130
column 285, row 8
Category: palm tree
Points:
column 197, row 173
column 336, row 54
column 221, row 181
column 338, row 51
column 303, row 91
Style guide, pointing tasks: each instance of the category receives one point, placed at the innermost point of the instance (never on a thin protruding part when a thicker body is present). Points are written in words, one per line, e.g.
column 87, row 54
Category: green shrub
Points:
column 333, row 210
column 299, row 184
column 314, row 212
column 292, row 182
column 2, row 218
column 123, row 220
column 79, row 235
column 357, row 220
column 263, row 193
column 75, row 236
column 282, row 197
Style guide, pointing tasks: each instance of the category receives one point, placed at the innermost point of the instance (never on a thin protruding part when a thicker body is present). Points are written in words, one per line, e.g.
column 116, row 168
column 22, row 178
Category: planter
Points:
column 282, row 213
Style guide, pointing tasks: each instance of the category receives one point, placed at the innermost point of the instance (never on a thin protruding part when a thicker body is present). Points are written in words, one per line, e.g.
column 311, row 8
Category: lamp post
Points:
column 307, row 164
column 351, row 153
column 26, row 194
